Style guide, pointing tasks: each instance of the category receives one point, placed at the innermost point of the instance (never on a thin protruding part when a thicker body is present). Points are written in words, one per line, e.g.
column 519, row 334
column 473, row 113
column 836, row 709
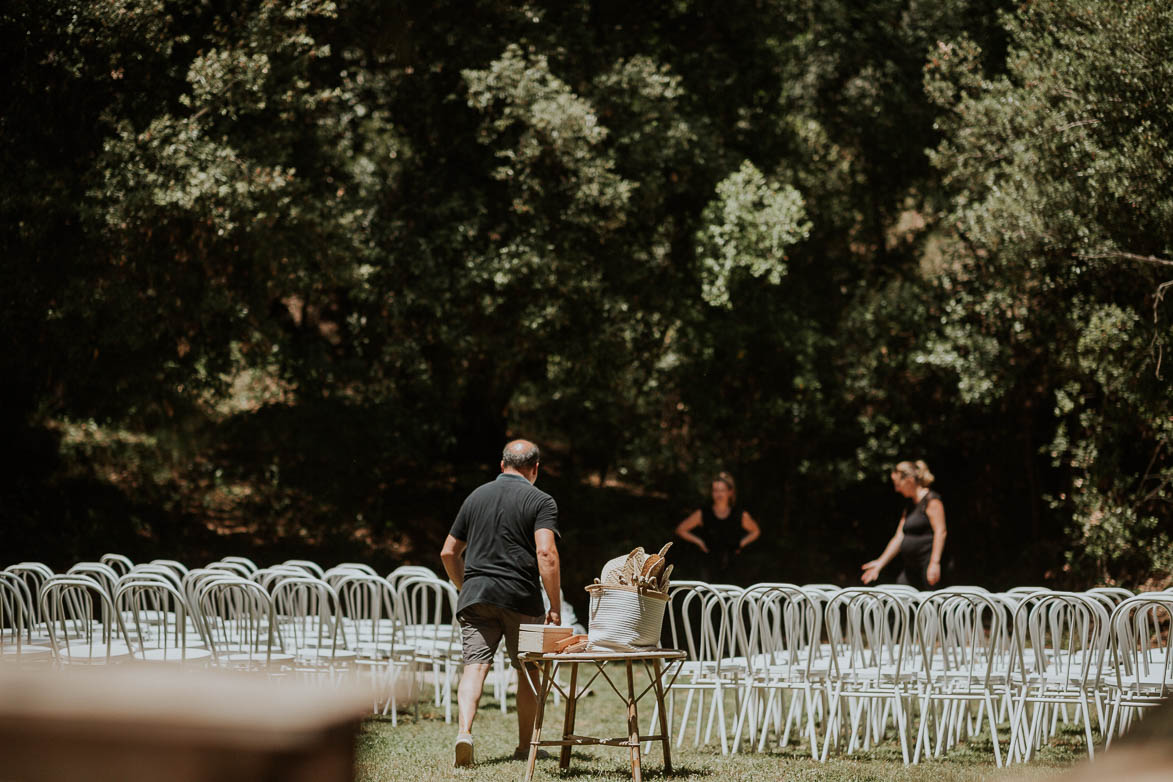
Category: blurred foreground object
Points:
column 143, row 723
column 1144, row 754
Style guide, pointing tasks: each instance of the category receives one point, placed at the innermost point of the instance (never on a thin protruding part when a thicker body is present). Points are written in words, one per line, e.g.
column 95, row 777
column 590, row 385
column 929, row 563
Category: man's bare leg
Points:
column 472, row 684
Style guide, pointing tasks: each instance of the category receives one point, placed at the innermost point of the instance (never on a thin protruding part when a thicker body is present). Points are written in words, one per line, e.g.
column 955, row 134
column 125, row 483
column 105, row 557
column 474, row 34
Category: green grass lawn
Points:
column 419, row 749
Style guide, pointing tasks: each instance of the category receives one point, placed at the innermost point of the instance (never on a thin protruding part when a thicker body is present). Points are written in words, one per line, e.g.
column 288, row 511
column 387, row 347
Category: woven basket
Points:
column 625, row 617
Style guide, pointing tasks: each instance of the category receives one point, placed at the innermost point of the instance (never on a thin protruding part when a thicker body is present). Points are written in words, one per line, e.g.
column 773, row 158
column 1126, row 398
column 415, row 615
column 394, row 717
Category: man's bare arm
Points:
column 450, row 555
column 550, row 570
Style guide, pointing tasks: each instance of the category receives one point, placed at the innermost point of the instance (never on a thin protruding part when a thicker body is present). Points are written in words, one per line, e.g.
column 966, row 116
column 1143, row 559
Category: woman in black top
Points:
column 920, row 536
column 726, row 529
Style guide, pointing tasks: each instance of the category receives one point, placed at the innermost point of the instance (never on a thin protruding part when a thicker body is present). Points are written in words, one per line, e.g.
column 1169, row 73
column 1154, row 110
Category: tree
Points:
column 1060, row 174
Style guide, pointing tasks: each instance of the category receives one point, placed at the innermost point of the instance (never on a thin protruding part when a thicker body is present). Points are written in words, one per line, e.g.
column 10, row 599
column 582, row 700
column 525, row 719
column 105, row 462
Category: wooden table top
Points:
column 604, row 655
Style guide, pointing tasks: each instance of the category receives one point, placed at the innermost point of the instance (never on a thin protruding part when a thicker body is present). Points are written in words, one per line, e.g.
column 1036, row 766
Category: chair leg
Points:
column 993, row 730
column 1087, row 727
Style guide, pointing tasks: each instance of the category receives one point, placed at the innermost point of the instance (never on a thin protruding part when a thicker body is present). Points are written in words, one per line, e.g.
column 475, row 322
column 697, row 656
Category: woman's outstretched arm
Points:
column 871, row 570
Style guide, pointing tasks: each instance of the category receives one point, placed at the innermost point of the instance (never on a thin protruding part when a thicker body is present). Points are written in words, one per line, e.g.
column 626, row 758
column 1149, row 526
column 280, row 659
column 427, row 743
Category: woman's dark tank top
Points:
column 918, row 530
column 721, row 535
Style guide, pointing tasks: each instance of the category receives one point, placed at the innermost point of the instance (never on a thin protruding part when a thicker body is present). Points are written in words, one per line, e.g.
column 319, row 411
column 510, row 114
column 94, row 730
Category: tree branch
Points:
column 1126, row 257
column 1156, row 345
column 1077, row 124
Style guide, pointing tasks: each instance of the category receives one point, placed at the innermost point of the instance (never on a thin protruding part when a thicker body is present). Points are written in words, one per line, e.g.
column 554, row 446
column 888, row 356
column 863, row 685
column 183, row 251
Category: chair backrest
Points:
column 170, row 575
column 785, row 629
column 119, row 563
column 313, row 568
column 68, row 604
column 20, row 606
column 103, row 574
column 371, row 605
column 360, row 566
column 191, row 585
column 151, row 613
column 235, row 568
column 308, row 614
column 409, row 571
column 178, row 567
column 1114, row 594
column 245, row 561
column 1142, row 654
column 268, row 577
column 13, row 610
column 1066, row 637
column 33, row 574
column 429, row 605
column 239, row 617
column 699, row 620
column 1027, row 590
column 341, row 572
column 961, row 634
column 868, row 628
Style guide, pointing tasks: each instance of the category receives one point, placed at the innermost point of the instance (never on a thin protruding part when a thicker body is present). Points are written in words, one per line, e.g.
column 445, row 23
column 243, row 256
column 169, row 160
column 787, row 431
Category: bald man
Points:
column 507, row 531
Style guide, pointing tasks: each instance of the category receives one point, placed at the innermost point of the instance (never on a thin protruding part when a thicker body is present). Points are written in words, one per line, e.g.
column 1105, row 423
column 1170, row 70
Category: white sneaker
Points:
column 463, row 750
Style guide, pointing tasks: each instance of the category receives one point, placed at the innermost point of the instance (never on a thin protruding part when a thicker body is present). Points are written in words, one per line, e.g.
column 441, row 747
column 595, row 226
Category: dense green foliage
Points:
column 298, row 267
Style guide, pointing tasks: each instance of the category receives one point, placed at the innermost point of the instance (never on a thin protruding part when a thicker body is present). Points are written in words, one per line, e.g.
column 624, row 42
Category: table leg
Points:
column 633, row 726
column 546, row 680
column 568, row 722
column 659, row 674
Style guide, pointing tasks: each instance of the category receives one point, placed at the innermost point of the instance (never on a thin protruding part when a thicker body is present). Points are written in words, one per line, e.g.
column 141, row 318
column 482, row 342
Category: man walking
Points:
column 506, row 530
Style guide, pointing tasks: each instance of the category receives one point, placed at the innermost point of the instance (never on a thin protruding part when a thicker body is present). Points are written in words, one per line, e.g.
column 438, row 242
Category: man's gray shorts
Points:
column 483, row 625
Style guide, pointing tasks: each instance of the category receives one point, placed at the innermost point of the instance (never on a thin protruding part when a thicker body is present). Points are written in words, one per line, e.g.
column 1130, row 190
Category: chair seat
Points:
column 115, row 650
column 321, row 654
column 256, row 657
column 26, row 651
column 173, row 655
column 147, row 616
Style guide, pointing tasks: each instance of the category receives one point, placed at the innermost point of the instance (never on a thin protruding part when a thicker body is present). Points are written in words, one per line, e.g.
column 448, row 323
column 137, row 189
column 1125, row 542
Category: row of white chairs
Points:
column 294, row 618
column 844, row 668
column 838, row 669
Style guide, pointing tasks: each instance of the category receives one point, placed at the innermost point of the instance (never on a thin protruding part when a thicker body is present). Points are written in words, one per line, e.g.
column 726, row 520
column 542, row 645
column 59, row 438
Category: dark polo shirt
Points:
column 498, row 521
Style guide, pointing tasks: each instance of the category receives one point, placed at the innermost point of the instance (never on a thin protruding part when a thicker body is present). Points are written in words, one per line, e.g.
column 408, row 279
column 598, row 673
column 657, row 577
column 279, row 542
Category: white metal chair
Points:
column 310, row 626
column 961, row 634
column 79, row 616
column 15, row 604
column 871, row 677
column 430, row 625
column 372, row 611
column 152, row 615
column 241, row 624
column 1140, row 656
column 701, row 621
column 783, row 636
column 1059, row 660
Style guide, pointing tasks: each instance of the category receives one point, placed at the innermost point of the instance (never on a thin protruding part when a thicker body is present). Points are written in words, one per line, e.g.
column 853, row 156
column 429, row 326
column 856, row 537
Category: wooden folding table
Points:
column 656, row 662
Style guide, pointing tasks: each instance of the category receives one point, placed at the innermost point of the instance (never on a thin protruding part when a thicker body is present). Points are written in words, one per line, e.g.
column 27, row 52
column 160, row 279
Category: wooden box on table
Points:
column 541, row 638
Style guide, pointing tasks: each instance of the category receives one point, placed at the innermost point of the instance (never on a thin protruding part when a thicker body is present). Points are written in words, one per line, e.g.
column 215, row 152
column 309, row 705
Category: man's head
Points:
column 521, row 457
